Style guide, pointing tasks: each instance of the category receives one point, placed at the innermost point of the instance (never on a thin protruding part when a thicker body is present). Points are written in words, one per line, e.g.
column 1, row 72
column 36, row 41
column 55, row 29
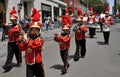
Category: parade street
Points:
column 100, row 61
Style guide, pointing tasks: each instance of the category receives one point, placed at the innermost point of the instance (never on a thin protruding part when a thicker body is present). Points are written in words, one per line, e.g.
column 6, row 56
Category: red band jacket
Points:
column 33, row 49
column 80, row 32
column 91, row 19
column 64, row 41
column 13, row 33
column 107, row 20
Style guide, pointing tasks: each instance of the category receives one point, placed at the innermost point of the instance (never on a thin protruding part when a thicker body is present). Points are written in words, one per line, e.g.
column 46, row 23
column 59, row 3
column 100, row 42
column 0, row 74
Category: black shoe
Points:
column 82, row 57
column 76, row 58
column 19, row 64
column 7, row 69
column 106, row 43
column 63, row 71
column 91, row 37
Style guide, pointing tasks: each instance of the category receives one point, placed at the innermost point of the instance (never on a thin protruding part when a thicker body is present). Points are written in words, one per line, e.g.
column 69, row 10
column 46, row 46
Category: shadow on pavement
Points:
column 71, row 57
column 101, row 43
column 119, row 54
column 9, row 69
column 57, row 66
column 91, row 37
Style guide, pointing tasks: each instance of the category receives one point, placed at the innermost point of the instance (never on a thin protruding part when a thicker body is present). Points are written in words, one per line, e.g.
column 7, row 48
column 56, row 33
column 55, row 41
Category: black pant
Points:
column 92, row 31
column 64, row 56
column 35, row 70
column 13, row 49
column 106, row 36
column 80, row 44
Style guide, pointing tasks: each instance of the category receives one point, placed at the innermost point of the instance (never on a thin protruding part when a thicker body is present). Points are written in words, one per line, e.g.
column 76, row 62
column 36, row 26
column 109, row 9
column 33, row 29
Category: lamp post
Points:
column 19, row 6
column 115, row 5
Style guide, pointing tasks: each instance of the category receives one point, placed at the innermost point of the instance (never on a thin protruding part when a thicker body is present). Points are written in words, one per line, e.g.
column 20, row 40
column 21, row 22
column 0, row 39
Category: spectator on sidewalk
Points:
column 25, row 23
column 3, row 32
column 59, row 20
column 46, row 23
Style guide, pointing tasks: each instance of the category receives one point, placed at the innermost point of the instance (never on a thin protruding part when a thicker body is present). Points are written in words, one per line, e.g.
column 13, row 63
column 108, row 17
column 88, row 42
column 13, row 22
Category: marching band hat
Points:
column 13, row 14
column 35, row 19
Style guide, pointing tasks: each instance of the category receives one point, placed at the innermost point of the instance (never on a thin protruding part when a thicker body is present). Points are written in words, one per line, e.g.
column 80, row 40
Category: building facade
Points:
column 73, row 5
column 49, row 8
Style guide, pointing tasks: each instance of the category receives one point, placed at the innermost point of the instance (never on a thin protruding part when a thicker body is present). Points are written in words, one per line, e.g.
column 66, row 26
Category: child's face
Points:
column 65, row 31
column 14, row 21
column 80, row 22
column 34, row 31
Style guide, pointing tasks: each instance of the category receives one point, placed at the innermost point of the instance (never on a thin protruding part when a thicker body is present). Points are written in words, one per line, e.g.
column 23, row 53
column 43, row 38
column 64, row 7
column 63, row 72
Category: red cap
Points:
column 65, row 21
column 67, row 11
column 91, row 9
column 35, row 15
column 13, row 14
column 79, row 12
column 35, row 19
column 35, row 24
column 107, row 9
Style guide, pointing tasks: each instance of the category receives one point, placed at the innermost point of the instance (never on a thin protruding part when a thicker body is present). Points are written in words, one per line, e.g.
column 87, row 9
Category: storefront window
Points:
column 46, row 11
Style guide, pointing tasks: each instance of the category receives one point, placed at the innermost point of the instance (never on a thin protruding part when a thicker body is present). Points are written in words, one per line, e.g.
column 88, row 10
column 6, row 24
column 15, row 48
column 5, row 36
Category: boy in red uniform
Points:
column 80, row 39
column 13, row 31
column 107, row 21
column 64, row 41
column 92, row 23
column 32, row 44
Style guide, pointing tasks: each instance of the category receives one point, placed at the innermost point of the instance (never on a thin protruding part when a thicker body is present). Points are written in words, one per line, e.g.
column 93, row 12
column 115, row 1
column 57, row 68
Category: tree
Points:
column 97, row 5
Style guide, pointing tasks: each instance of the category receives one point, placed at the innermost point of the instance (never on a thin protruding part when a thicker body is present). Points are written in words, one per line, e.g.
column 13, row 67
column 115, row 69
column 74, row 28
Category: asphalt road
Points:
column 100, row 61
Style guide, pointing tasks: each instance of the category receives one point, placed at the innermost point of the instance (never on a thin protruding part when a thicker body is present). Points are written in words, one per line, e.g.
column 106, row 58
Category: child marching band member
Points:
column 92, row 23
column 79, row 13
column 13, row 31
column 64, row 42
column 80, row 39
column 107, row 21
column 85, row 18
column 32, row 44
